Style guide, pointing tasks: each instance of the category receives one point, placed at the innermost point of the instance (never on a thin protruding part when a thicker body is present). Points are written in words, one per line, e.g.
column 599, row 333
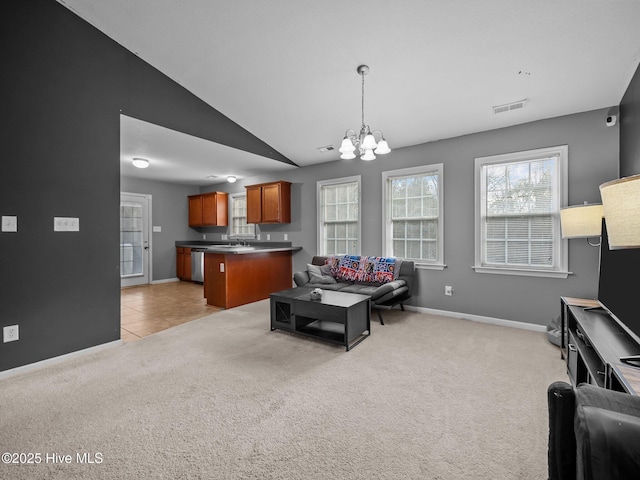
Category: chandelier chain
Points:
column 362, row 74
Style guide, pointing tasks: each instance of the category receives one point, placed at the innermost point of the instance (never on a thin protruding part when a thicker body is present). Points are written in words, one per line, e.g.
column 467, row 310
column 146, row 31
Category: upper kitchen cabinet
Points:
column 269, row 202
column 208, row 209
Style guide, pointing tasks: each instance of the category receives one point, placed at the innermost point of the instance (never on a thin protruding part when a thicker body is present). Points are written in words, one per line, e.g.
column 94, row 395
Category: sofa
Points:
column 594, row 433
column 388, row 281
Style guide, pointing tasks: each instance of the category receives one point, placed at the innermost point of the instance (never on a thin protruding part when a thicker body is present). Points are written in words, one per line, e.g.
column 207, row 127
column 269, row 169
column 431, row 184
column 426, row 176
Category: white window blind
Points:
column 520, row 197
column 339, row 216
column 413, row 214
column 239, row 225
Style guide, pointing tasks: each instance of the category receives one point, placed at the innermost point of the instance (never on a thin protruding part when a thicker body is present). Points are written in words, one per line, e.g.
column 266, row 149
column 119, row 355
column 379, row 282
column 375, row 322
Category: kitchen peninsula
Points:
column 238, row 274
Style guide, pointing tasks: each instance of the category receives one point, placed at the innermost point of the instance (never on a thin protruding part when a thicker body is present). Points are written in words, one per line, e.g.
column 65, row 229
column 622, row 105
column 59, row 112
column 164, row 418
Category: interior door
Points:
column 135, row 248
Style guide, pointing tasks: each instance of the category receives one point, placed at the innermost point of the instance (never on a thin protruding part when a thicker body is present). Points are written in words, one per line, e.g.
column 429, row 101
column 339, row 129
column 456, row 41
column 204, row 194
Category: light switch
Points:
column 66, row 224
column 9, row 223
column 157, row 229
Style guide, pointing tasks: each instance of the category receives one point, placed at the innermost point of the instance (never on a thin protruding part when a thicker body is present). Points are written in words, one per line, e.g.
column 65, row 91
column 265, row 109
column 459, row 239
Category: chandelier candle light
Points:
column 365, row 142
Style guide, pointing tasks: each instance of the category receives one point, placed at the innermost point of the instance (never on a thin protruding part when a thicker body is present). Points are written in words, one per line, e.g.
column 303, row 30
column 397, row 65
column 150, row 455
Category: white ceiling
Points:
column 180, row 158
column 285, row 70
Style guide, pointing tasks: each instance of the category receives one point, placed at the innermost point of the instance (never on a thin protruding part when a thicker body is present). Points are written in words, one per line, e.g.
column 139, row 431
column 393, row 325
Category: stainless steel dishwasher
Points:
column 197, row 264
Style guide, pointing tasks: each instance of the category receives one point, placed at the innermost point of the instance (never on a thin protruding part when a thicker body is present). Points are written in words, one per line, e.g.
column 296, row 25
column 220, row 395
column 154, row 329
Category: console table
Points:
column 595, row 341
column 338, row 317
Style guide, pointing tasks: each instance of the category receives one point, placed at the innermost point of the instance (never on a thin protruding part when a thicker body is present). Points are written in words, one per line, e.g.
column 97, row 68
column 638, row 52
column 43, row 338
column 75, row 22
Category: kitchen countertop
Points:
column 234, row 249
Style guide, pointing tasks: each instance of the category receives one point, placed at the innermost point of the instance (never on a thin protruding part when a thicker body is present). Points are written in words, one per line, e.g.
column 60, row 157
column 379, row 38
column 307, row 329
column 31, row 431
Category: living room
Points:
column 69, row 85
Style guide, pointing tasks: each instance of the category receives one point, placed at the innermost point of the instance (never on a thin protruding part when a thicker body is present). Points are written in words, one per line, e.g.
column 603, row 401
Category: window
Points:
column 239, row 225
column 413, row 208
column 339, row 216
column 518, row 199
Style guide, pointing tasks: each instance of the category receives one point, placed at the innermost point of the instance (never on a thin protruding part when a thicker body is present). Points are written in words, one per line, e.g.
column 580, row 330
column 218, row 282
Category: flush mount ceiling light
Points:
column 365, row 142
column 231, row 179
column 140, row 162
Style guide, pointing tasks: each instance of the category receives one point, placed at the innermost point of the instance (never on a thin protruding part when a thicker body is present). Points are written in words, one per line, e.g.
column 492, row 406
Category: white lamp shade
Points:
column 621, row 201
column 140, row 162
column 368, row 155
column 346, row 146
column 383, row 148
column 369, row 143
column 348, row 155
column 581, row 221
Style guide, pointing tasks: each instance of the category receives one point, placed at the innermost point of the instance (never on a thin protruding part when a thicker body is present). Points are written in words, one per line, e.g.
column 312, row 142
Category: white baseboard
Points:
column 165, row 280
column 12, row 372
column 479, row 318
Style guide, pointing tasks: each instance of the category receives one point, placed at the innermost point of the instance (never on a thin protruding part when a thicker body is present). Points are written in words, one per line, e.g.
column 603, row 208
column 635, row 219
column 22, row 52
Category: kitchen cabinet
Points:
column 183, row 263
column 269, row 202
column 235, row 279
column 208, row 209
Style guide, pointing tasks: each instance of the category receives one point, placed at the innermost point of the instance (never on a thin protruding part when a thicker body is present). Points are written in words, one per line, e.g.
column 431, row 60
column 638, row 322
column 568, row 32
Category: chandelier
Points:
column 365, row 142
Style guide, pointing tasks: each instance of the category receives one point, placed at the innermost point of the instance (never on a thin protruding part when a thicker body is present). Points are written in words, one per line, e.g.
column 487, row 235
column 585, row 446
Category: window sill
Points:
column 429, row 266
column 522, row 272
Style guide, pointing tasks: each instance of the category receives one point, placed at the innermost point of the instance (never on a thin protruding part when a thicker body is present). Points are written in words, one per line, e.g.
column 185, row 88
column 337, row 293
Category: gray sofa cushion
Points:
column 376, row 292
column 326, row 286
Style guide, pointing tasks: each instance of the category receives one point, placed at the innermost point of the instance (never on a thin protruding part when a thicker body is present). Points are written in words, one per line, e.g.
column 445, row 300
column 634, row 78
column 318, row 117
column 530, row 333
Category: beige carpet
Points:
column 223, row 397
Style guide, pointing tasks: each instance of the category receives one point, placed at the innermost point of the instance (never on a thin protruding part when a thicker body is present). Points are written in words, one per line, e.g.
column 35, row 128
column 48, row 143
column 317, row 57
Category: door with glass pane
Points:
column 134, row 239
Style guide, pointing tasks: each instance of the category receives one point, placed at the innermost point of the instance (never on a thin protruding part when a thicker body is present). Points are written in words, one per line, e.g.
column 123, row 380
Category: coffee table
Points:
column 338, row 317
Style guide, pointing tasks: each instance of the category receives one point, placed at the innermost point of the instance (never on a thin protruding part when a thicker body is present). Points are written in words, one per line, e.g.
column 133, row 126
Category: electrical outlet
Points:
column 268, row 236
column 10, row 333
column 286, row 236
column 448, row 290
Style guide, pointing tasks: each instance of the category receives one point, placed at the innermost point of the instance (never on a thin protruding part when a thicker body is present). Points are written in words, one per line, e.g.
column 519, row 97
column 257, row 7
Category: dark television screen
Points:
column 618, row 288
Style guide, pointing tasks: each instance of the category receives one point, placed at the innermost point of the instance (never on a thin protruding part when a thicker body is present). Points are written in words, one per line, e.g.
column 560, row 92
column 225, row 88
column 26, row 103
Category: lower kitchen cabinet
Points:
column 183, row 263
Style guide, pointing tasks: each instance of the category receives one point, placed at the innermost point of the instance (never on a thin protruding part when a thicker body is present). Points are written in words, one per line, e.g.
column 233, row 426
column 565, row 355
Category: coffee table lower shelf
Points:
column 342, row 318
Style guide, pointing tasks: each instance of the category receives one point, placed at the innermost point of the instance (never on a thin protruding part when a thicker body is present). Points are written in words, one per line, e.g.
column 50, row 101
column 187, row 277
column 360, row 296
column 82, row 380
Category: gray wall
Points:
column 64, row 86
column 593, row 159
column 629, row 128
column 169, row 210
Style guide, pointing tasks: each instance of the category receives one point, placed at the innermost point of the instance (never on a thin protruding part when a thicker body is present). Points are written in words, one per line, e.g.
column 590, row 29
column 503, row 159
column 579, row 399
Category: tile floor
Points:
column 148, row 309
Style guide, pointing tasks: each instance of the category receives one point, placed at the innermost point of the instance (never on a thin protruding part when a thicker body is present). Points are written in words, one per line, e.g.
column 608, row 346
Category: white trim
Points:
column 562, row 151
column 523, row 272
column 386, row 211
column 232, row 198
column 12, row 372
column 430, row 266
column 165, row 280
column 478, row 318
column 149, row 230
column 337, row 181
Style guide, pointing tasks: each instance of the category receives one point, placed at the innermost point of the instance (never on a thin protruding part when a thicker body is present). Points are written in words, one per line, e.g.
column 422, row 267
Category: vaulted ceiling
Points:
column 285, row 70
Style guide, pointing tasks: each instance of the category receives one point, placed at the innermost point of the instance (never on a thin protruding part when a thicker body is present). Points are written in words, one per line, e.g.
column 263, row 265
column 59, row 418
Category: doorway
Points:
column 135, row 248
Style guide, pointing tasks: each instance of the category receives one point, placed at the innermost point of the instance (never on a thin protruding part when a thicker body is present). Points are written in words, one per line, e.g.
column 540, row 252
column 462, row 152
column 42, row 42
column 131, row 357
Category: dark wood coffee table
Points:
column 338, row 317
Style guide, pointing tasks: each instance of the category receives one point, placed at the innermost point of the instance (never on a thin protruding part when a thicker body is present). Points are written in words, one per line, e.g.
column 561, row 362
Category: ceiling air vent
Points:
column 326, row 148
column 509, row 106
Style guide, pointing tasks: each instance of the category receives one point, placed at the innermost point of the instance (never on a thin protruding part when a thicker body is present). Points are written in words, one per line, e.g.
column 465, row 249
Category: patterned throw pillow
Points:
column 349, row 268
column 383, row 269
column 333, row 263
